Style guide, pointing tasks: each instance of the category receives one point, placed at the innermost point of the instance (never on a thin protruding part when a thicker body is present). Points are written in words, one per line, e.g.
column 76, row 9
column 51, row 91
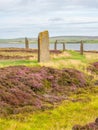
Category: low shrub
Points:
column 36, row 87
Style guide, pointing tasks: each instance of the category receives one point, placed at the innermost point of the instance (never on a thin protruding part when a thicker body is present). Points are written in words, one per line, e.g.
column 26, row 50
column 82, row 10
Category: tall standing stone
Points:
column 43, row 47
column 26, row 43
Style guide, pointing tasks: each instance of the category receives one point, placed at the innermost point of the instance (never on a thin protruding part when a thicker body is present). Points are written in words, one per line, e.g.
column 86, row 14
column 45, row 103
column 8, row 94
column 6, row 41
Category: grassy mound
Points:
column 24, row 89
column 94, row 67
column 90, row 126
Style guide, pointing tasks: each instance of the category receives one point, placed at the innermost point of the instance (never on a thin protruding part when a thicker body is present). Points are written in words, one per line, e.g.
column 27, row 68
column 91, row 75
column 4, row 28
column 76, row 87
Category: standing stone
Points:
column 81, row 48
column 64, row 46
column 26, row 43
column 43, row 47
column 55, row 45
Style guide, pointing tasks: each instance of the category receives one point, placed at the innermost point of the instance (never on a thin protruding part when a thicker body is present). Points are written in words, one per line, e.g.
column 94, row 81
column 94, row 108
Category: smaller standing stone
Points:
column 81, row 48
column 55, row 45
column 64, row 46
column 26, row 43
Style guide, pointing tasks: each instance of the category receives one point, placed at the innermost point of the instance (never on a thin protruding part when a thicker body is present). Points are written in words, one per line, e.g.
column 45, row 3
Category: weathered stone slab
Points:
column 43, row 47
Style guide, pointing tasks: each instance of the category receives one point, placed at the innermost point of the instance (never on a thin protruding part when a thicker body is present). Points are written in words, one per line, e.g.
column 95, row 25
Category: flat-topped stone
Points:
column 43, row 47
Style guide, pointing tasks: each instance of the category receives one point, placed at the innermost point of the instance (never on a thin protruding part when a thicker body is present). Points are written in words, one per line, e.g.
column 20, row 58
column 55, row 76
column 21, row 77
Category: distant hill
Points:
column 75, row 37
column 91, row 39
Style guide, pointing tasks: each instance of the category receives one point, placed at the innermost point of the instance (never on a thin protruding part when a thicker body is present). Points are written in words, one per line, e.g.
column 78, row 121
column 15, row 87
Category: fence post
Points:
column 81, row 47
column 55, row 45
column 26, row 43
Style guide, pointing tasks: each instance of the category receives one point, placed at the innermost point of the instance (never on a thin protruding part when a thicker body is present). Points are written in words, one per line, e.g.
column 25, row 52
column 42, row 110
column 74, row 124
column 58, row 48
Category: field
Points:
column 80, row 105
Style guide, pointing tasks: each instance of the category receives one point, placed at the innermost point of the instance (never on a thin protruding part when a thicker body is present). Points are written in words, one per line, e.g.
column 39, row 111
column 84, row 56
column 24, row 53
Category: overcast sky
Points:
column 26, row 18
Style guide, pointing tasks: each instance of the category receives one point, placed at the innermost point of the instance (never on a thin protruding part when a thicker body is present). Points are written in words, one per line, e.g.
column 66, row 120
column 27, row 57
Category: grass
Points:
column 69, row 59
column 80, row 109
column 72, row 59
column 64, row 58
column 5, row 63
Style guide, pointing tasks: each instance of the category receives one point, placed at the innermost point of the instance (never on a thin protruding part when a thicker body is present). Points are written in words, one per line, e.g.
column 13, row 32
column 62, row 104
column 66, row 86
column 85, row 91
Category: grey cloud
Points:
column 64, row 3
column 89, row 3
column 84, row 22
column 43, row 6
column 56, row 20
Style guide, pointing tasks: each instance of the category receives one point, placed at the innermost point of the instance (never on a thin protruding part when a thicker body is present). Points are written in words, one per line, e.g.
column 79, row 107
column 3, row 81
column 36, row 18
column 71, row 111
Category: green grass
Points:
column 77, row 56
column 5, row 63
column 72, row 55
column 84, row 109
column 67, row 59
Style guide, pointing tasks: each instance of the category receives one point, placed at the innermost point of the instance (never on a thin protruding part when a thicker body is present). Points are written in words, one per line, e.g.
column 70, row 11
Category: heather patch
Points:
column 94, row 67
column 27, row 89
